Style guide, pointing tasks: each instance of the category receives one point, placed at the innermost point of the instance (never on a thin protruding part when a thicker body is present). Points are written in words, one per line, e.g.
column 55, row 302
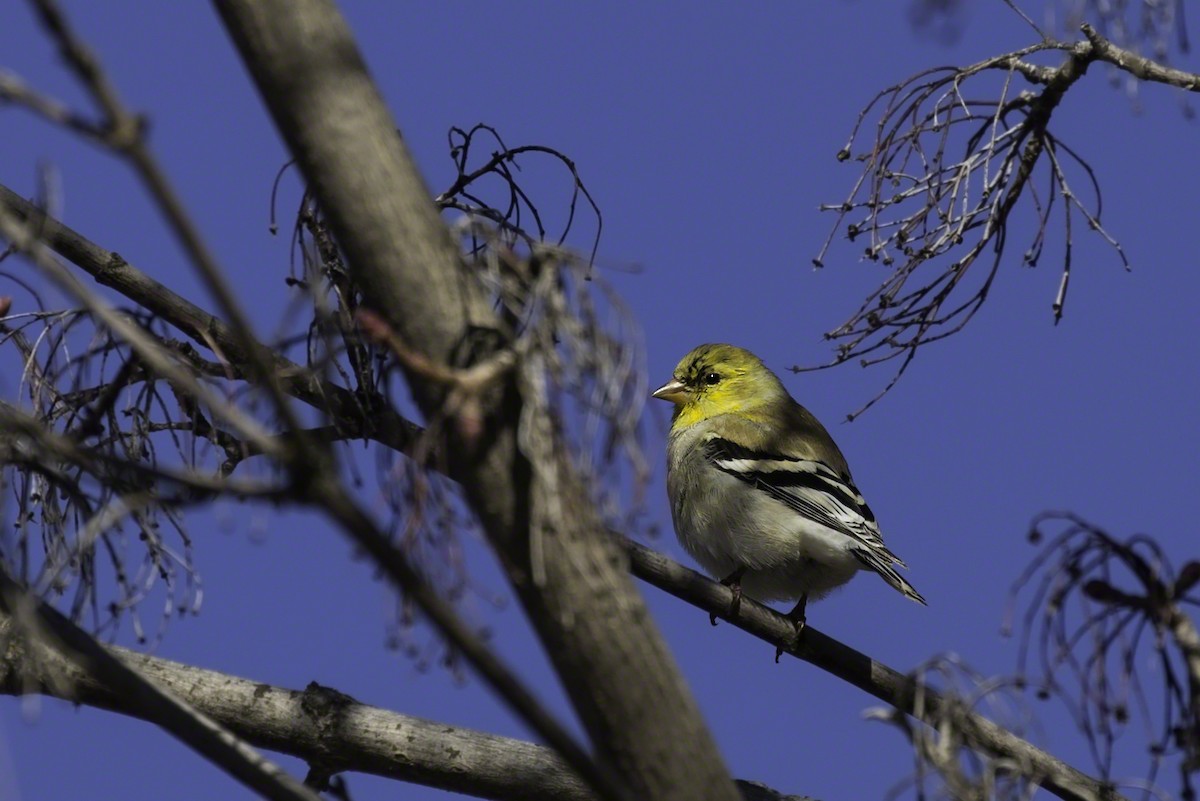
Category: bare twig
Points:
column 943, row 173
column 14, row 90
column 124, row 133
column 863, row 672
column 1096, row 608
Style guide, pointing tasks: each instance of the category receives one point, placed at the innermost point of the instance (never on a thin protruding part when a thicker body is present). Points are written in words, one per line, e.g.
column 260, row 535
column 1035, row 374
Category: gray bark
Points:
column 326, row 728
column 621, row 678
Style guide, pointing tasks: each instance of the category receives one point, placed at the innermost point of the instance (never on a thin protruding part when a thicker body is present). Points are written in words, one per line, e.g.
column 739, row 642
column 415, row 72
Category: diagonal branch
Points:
column 366, row 417
column 860, row 670
column 55, row 633
column 326, row 728
column 1140, row 67
column 537, row 513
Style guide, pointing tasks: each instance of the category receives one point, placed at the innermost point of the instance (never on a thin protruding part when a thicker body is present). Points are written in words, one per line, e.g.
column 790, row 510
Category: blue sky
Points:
column 707, row 135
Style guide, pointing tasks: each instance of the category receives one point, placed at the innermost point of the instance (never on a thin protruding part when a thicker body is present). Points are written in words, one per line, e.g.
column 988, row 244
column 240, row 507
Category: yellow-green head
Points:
column 721, row 379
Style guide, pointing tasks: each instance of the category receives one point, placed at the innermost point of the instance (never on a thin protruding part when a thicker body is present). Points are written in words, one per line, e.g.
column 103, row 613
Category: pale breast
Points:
column 726, row 524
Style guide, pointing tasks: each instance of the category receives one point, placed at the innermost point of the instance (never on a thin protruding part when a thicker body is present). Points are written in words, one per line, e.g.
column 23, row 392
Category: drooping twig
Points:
column 943, row 179
column 1098, row 612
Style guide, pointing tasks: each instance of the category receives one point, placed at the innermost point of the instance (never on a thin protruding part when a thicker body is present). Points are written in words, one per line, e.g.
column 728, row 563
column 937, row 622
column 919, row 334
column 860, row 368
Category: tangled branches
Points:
column 572, row 342
column 578, row 364
column 957, row 160
column 97, row 465
column 949, row 761
column 509, row 212
column 116, row 442
column 1097, row 607
column 943, row 174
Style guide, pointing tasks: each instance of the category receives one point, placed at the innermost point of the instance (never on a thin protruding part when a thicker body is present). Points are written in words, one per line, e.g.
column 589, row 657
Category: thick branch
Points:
column 76, row 651
column 322, row 726
column 585, row 608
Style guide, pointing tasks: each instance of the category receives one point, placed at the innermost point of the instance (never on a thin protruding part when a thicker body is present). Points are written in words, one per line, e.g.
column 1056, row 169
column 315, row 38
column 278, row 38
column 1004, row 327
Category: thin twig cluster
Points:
column 956, row 159
column 1108, row 629
column 949, row 759
column 948, row 155
column 572, row 339
column 89, row 507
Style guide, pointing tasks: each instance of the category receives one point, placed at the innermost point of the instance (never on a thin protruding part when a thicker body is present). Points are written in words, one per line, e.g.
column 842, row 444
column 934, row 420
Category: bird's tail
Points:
column 883, row 566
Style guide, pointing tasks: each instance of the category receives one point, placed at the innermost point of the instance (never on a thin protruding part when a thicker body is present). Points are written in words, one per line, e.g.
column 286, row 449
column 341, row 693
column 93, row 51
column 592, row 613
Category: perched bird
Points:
column 760, row 494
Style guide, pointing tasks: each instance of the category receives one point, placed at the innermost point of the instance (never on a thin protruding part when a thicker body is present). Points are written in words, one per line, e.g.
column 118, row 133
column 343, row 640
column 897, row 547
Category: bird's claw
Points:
column 800, row 625
column 799, row 621
column 734, row 582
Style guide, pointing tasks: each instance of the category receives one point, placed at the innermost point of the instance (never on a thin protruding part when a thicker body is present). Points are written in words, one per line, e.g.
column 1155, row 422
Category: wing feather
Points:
column 814, row 489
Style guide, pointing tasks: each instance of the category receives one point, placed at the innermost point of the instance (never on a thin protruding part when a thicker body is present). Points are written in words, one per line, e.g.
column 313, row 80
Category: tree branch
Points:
column 1138, row 66
column 124, row 134
column 375, row 421
column 569, row 576
column 932, row 216
column 21, row 614
column 320, row 725
column 860, row 670
column 23, row 237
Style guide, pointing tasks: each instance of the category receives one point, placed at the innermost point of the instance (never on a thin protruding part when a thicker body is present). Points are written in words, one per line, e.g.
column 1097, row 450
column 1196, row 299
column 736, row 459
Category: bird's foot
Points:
column 734, row 582
column 799, row 621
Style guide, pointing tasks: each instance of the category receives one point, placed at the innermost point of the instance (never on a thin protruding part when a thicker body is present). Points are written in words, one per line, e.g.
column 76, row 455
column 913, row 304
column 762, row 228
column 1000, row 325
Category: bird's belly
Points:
column 784, row 554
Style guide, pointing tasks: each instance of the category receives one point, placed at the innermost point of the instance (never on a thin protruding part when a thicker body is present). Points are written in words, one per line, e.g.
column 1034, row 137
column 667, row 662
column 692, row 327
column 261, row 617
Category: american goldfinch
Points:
column 760, row 494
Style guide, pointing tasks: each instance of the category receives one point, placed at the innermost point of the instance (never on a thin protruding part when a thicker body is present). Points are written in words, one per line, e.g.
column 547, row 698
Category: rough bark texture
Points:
column 321, row 726
column 326, row 728
column 622, row 680
column 64, row 650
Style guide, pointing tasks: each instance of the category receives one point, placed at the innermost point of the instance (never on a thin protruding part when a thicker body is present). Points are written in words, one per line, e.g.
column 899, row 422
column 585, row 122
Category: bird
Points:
column 760, row 494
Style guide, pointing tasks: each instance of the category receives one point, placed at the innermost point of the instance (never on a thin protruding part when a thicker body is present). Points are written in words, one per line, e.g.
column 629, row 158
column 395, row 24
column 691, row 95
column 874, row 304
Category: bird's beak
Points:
column 673, row 391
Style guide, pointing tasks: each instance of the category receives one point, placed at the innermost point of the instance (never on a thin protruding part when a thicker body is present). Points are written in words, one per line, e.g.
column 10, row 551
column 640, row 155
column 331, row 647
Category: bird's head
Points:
column 720, row 379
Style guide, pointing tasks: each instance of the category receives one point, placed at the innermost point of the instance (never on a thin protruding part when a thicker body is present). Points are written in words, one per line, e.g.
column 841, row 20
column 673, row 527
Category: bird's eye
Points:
column 711, row 378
